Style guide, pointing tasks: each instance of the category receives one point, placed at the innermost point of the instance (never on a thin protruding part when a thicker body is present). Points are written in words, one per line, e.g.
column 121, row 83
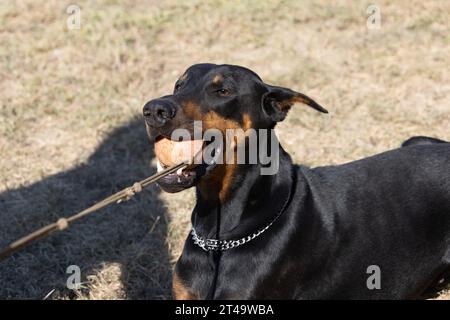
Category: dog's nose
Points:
column 157, row 112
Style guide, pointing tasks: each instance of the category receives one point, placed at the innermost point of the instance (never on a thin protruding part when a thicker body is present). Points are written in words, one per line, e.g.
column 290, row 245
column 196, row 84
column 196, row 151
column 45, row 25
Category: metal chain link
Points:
column 222, row 245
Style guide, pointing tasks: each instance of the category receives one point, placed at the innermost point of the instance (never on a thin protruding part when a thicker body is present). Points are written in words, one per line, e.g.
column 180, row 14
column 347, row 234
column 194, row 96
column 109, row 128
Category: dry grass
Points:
column 69, row 132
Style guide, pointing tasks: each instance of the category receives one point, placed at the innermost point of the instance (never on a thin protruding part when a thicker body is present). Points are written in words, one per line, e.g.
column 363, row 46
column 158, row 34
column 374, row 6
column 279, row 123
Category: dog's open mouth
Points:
column 169, row 153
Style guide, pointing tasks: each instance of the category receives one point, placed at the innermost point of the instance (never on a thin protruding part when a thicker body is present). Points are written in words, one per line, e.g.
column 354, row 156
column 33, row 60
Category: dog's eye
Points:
column 223, row 92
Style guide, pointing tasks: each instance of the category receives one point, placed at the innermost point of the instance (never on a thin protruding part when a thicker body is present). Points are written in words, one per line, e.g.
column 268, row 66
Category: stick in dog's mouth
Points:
column 169, row 152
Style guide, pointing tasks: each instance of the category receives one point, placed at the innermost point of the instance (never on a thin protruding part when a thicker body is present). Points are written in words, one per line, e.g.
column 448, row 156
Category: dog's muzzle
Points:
column 158, row 112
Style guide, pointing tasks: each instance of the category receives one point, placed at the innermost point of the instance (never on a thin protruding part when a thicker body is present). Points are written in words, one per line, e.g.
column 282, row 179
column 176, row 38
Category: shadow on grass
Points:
column 123, row 244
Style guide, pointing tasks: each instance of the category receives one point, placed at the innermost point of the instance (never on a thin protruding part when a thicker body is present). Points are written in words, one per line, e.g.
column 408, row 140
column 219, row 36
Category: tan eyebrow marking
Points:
column 217, row 79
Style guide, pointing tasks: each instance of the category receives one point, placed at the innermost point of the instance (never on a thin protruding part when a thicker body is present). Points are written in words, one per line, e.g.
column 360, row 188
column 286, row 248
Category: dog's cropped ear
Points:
column 277, row 101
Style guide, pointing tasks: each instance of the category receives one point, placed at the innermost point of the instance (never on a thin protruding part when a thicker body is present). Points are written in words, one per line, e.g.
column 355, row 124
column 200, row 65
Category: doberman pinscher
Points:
column 376, row 228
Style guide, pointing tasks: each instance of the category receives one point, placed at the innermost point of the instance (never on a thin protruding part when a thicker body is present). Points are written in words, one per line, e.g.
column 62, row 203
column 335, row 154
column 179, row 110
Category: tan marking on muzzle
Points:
column 218, row 183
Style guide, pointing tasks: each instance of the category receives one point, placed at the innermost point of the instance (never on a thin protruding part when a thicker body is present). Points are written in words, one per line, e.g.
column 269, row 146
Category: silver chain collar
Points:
column 222, row 245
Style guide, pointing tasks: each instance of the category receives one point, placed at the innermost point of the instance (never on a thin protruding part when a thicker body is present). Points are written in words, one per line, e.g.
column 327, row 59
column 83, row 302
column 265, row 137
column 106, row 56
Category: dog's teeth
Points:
column 180, row 171
column 216, row 156
column 159, row 166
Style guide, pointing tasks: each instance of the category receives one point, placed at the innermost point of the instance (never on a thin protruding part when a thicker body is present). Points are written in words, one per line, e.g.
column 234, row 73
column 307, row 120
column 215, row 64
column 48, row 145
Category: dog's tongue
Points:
column 171, row 152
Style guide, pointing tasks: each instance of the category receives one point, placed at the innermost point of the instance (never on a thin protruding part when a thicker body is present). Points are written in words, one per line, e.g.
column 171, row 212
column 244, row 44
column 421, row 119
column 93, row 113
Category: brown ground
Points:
column 70, row 131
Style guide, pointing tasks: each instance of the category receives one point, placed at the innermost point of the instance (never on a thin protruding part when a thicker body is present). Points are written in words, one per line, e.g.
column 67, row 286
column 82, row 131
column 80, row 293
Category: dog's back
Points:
column 391, row 210
column 421, row 140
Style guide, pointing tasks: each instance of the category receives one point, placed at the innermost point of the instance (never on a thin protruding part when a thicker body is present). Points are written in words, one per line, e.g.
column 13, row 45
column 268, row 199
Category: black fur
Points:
column 391, row 210
column 421, row 140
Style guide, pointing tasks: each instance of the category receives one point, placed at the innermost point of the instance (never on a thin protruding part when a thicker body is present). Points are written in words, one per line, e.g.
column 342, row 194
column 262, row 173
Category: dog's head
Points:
column 212, row 98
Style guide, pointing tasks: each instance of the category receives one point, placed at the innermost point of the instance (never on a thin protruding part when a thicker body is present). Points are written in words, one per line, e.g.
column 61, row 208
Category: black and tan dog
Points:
column 302, row 233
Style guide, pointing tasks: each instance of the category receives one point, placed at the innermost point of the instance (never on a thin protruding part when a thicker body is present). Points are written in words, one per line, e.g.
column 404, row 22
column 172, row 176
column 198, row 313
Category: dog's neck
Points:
column 249, row 205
